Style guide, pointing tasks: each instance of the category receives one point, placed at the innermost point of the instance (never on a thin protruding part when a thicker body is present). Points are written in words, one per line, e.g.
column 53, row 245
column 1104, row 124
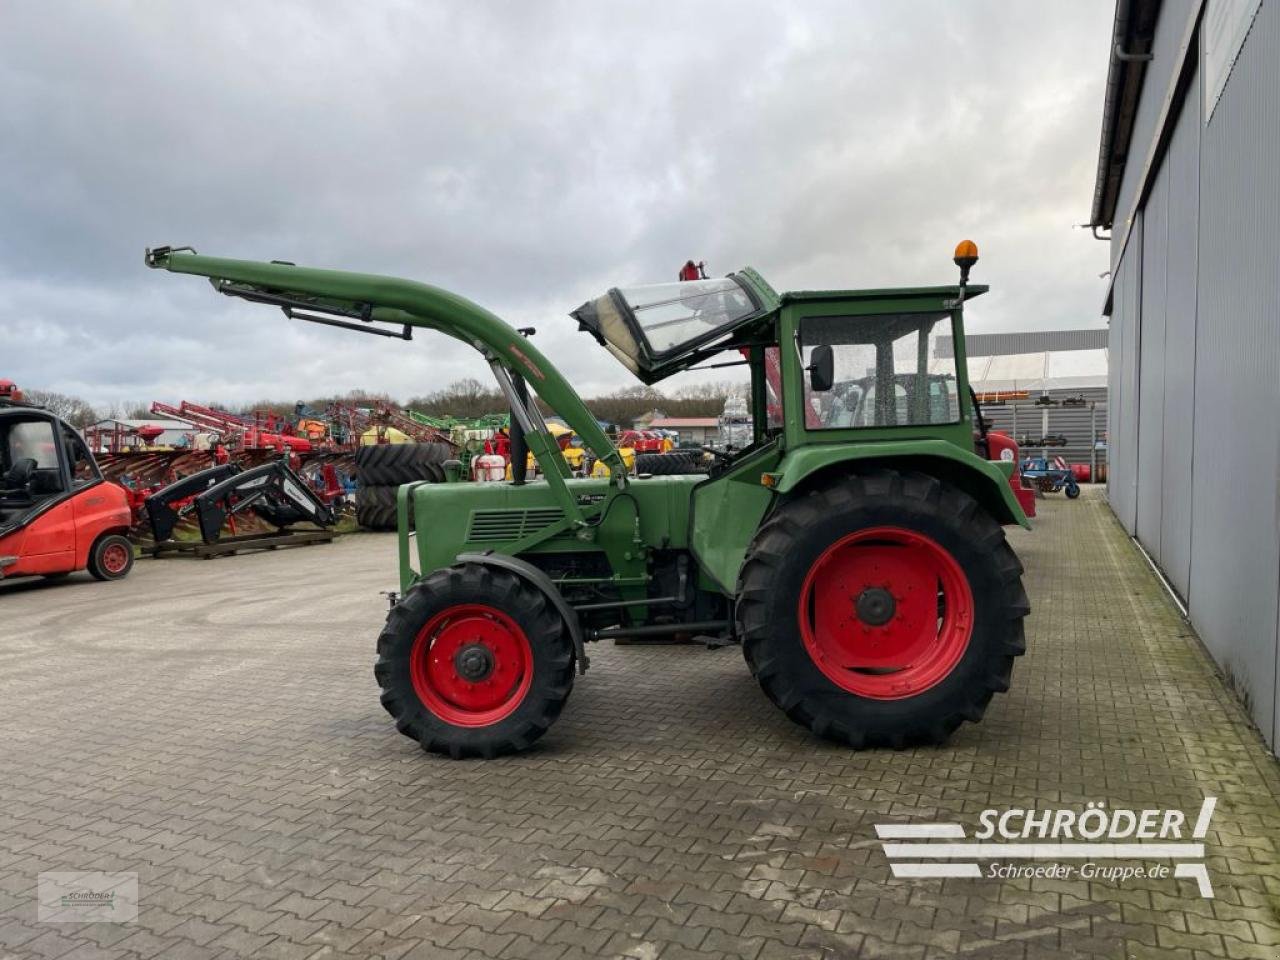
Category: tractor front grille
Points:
column 493, row 526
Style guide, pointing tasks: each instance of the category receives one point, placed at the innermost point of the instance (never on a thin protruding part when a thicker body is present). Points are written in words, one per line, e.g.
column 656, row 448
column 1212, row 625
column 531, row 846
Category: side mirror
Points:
column 822, row 368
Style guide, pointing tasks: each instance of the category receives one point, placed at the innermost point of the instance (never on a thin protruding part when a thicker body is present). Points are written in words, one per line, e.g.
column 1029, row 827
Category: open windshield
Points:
column 674, row 314
column 645, row 325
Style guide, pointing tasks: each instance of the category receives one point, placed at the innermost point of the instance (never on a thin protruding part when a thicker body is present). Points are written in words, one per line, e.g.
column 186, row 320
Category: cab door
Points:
column 46, row 543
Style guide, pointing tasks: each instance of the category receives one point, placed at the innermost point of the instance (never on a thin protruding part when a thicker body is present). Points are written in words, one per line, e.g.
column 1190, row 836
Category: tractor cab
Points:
column 882, row 363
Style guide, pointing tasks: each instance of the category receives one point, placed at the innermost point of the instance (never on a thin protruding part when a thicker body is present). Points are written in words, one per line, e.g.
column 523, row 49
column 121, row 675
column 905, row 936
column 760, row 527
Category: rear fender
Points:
column 983, row 480
column 100, row 509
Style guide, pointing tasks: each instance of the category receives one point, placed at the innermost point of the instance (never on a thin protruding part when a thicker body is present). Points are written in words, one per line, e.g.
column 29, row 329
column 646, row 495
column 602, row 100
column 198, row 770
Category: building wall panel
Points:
column 1116, row 342
column 1125, row 340
column 1150, row 446
column 1235, row 560
column 1171, row 29
column 1183, row 164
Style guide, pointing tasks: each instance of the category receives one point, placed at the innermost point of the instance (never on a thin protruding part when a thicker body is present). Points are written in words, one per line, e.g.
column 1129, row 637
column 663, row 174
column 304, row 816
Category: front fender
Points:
column 540, row 581
column 982, row 479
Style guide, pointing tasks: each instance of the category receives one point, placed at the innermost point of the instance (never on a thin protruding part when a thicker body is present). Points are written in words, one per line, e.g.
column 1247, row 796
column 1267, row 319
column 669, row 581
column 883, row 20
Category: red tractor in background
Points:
column 57, row 512
column 1001, row 446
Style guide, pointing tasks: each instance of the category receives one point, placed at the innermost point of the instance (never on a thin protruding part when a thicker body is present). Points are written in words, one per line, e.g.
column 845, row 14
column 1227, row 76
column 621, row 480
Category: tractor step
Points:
column 234, row 545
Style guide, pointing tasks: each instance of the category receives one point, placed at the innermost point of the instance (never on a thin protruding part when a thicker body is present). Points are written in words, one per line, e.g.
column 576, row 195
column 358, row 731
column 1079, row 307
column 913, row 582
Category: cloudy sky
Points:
column 527, row 155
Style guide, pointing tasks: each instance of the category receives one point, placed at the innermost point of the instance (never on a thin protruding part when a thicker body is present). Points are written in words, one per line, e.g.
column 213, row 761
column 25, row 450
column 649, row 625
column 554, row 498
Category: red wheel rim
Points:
column 886, row 613
column 471, row 665
column 115, row 557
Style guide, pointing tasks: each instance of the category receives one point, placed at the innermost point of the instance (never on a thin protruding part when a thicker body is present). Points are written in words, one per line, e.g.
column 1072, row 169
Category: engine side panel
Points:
column 454, row 518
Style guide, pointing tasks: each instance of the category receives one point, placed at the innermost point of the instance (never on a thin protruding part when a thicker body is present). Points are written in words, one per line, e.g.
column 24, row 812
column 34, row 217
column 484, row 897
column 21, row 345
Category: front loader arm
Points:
column 369, row 298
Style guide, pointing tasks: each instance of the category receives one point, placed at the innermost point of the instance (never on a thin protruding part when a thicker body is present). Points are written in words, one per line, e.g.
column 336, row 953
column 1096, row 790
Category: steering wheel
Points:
column 19, row 474
column 720, row 455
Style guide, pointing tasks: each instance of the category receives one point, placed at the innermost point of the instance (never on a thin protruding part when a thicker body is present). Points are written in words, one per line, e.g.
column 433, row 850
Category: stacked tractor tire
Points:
column 380, row 470
column 672, row 462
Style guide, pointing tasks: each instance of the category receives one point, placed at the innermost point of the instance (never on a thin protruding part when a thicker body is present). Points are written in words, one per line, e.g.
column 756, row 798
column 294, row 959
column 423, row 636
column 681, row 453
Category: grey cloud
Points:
column 527, row 156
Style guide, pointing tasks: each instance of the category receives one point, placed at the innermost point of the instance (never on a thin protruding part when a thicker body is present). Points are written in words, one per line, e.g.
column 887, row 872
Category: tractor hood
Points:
column 663, row 328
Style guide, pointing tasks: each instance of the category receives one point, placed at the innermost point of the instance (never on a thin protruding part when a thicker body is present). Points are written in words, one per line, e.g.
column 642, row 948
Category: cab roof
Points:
column 885, row 293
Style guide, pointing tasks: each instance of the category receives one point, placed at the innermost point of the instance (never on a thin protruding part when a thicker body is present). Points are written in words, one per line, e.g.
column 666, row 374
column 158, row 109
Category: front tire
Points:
column 881, row 610
column 474, row 662
column 1072, row 491
column 111, row 557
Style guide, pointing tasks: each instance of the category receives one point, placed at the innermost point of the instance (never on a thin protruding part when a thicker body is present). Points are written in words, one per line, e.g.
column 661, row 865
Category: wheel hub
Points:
column 886, row 612
column 114, row 558
column 875, row 606
column 473, row 662
column 471, row 665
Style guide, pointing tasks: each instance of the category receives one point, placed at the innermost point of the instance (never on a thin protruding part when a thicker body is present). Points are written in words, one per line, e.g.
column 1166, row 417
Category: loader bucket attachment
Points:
column 168, row 505
column 272, row 491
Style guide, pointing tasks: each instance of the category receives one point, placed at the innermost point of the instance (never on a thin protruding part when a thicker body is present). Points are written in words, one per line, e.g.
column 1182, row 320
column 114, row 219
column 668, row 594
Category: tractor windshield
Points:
column 645, row 327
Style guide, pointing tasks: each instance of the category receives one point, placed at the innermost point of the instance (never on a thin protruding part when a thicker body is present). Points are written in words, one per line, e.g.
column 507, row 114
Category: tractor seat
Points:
column 18, row 475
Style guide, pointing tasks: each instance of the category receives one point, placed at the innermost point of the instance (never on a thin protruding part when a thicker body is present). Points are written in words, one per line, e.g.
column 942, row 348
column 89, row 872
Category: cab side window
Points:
column 32, row 464
column 889, row 371
column 83, row 468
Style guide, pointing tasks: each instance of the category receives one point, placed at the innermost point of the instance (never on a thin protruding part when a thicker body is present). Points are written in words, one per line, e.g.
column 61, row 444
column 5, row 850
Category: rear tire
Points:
column 111, row 557
column 942, row 619
column 507, row 628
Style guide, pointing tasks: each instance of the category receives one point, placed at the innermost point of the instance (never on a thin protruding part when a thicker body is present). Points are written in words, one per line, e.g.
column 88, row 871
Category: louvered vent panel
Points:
column 493, row 526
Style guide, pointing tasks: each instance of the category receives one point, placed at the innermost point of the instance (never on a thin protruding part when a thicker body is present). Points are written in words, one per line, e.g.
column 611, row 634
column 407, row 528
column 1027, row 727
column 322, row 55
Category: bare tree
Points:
column 467, row 398
column 75, row 411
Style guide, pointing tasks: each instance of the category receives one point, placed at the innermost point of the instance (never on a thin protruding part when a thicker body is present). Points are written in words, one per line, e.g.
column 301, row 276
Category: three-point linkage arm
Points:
column 368, row 300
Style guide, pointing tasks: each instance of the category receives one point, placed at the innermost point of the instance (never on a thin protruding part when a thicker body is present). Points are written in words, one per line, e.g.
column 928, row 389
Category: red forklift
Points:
column 57, row 512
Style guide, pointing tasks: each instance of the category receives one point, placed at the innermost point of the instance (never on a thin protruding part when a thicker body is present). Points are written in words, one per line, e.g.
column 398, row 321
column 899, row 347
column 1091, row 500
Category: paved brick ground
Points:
column 214, row 726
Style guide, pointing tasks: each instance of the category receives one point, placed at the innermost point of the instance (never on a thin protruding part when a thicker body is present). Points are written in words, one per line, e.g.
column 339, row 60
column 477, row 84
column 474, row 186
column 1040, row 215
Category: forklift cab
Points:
column 57, row 514
column 41, row 459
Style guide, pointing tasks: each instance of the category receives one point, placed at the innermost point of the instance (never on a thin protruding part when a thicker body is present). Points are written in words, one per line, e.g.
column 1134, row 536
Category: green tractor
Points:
column 857, row 556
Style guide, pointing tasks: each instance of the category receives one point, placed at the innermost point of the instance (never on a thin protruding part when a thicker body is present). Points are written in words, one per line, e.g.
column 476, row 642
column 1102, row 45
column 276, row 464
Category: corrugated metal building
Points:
column 1189, row 186
column 1027, row 341
column 1062, row 365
